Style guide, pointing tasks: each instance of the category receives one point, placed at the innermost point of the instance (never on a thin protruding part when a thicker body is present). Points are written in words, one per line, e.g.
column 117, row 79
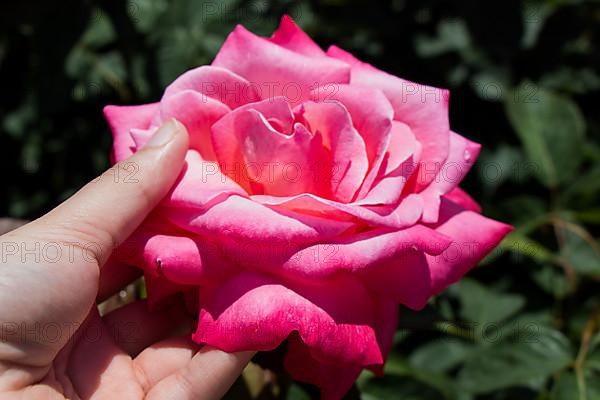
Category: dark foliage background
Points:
column 525, row 83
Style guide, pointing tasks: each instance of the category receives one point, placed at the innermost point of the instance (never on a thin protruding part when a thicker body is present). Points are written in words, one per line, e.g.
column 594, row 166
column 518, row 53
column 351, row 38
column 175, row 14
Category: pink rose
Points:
column 319, row 194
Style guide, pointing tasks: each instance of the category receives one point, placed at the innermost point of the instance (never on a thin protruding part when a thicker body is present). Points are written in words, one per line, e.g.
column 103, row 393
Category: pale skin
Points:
column 53, row 342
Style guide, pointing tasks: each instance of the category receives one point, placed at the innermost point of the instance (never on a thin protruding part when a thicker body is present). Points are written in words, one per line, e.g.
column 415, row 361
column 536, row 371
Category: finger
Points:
column 97, row 368
column 209, row 375
column 37, row 391
column 162, row 359
column 106, row 211
column 134, row 327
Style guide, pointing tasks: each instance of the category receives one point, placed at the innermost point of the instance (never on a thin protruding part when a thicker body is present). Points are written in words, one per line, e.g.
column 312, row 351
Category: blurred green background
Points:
column 525, row 83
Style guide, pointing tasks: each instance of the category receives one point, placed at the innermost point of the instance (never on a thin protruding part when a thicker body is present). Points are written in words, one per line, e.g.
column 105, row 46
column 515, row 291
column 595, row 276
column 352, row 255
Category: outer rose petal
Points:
column 175, row 255
column 406, row 279
column 423, row 108
column 460, row 197
column 277, row 70
column 385, row 327
column 290, row 36
column 461, row 158
column 357, row 254
column 121, row 120
column 200, row 185
column 256, row 312
column 333, row 380
column 336, row 379
column 239, row 218
column 216, row 83
column 198, row 113
column 473, row 235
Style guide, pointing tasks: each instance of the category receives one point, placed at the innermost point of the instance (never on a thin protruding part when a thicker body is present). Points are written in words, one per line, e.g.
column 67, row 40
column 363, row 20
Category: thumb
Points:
column 108, row 209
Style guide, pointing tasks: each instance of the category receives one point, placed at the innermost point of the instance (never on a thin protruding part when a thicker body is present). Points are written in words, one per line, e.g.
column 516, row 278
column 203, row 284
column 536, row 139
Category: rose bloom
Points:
column 319, row 194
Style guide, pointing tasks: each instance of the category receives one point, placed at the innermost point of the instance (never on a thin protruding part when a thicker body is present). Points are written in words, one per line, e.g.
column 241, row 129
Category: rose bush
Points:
column 319, row 194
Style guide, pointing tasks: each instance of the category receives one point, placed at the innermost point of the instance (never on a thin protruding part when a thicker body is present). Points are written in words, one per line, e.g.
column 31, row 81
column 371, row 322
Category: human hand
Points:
column 53, row 342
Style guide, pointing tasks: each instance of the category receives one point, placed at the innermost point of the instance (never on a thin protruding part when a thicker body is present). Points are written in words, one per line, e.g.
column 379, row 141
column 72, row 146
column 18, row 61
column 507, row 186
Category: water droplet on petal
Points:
column 467, row 156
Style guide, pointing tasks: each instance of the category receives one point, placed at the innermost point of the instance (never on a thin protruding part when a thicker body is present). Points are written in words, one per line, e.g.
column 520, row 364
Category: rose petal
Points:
column 242, row 219
column 406, row 279
column 172, row 254
column 333, row 380
column 423, row 108
column 371, row 115
column 197, row 113
column 162, row 292
column 228, row 135
column 200, row 185
column 473, row 236
column 216, row 83
column 461, row 157
column 406, row 213
column 282, row 159
column 403, row 145
column 256, row 312
column 121, row 120
column 275, row 69
column 349, row 163
column 357, row 253
column 398, row 165
column 290, row 36
column 263, row 159
column 460, row 197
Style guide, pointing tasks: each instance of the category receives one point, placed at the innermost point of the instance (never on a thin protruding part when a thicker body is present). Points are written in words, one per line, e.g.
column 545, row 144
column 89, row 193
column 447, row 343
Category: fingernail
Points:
column 165, row 133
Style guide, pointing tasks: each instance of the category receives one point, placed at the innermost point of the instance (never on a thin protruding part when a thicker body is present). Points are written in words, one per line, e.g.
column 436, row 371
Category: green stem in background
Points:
column 519, row 243
column 450, row 328
column 586, row 337
column 579, row 231
column 589, row 216
column 565, row 264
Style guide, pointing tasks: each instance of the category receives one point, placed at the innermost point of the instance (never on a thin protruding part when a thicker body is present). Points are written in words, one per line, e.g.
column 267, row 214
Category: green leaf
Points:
column 99, row 32
column 440, row 355
column 525, row 211
column 584, row 190
column 145, row 13
column 395, row 388
column 295, row 392
column 552, row 280
column 574, row 80
column 567, row 388
column 452, row 35
column 534, row 17
column 580, row 249
column 521, row 244
column 400, row 367
column 552, row 130
column 491, row 85
column 507, row 163
column 516, row 360
column 484, row 306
